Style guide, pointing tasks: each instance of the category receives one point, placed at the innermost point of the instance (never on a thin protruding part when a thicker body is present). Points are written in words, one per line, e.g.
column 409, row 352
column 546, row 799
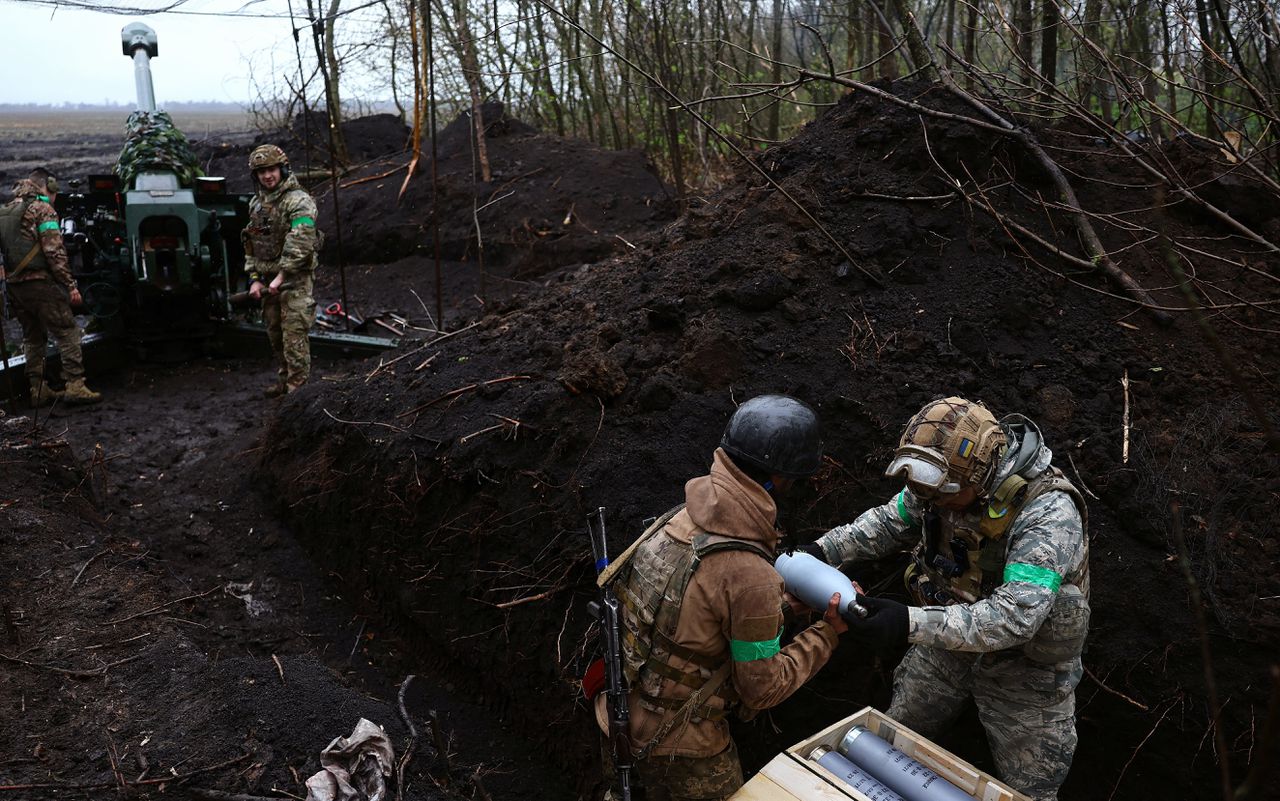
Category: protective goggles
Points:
column 924, row 471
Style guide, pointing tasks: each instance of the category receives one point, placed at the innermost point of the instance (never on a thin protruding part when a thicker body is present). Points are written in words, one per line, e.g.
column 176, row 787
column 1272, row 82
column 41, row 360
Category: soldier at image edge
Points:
column 41, row 289
column 1000, row 579
column 281, row 245
column 703, row 609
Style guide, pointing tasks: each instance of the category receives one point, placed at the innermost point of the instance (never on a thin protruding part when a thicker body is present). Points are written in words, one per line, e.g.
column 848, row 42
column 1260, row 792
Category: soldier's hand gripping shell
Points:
column 885, row 625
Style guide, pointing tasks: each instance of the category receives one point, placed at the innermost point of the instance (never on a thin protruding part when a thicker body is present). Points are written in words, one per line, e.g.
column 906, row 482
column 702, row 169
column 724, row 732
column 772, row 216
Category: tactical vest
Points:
column 651, row 589
column 960, row 564
column 17, row 244
column 266, row 231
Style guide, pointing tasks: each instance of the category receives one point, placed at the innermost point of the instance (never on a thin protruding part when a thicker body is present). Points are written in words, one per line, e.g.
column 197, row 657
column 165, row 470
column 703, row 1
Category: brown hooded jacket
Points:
column 732, row 608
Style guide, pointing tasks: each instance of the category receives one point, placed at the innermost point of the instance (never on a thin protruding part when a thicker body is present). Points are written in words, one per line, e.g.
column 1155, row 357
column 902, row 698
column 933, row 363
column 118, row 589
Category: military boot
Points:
column 42, row 394
column 77, row 392
column 276, row 390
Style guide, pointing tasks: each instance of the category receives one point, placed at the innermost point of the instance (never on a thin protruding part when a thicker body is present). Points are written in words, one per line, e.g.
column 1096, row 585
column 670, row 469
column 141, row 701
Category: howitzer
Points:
column 606, row 611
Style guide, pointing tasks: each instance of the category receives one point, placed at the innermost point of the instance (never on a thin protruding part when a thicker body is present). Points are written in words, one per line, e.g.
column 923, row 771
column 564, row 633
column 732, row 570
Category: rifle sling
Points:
column 22, row 265
column 607, row 575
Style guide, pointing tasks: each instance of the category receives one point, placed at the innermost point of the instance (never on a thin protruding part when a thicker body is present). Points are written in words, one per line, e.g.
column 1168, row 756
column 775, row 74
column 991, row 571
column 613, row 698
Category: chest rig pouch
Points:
column 266, row 232
column 652, row 591
column 963, row 561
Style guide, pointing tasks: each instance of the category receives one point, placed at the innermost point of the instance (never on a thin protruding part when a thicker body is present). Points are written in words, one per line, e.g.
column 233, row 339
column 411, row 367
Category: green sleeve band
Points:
column 751, row 651
column 902, row 508
column 302, row 221
column 1033, row 575
column 46, row 227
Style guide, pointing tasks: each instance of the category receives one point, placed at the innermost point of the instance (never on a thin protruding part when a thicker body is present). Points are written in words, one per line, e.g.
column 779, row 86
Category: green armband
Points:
column 304, row 220
column 46, row 227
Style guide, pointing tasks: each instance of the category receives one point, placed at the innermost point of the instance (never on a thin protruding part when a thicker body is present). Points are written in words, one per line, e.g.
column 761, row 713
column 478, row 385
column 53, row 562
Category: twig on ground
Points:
column 479, row 785
column 369, row 178
column 162, row 606
column 1139, row 748
column 1080, row 478
column 419, row 349
column 1116, row 693
column 542, row 596
column 279, row 667
column 430, row 319
column 356, row 645
column 403, row 762
column 1124, row 450
column 92, row 559
column 74, row 673
column 460, row 390
column 170, row 779
column 437, row 737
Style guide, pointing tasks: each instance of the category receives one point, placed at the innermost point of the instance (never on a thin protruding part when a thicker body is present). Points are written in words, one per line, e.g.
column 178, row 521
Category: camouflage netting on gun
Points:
column 152, row 143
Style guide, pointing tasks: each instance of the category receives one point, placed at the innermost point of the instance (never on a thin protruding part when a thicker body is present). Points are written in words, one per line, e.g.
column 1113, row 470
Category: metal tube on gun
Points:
column 814, row 581
column 852, row 775
column 902, row 774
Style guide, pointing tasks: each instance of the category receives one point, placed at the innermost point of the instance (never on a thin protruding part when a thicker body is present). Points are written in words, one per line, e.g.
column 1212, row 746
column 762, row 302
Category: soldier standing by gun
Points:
column 41, row 288
column 702, row 609
column 281, row 243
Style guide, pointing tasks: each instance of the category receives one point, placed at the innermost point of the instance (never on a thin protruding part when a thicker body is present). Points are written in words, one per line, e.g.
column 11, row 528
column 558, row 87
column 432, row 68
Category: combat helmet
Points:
column 775, row 434
column 269, row 156
column 952, row 443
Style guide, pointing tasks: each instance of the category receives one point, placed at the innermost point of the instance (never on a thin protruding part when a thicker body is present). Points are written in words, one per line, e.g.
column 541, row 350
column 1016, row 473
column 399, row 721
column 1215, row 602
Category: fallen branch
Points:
column 418, row 349
column 461, row 390
column 165, row 605
column 1116, row 693
column 174, row 777
column 74, row 673
column 403, row 762
column 377, row 177
column 92, row 559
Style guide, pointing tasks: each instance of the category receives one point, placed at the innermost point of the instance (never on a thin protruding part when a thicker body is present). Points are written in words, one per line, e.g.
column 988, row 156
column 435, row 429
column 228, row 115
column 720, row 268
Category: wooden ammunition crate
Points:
column 792, row 775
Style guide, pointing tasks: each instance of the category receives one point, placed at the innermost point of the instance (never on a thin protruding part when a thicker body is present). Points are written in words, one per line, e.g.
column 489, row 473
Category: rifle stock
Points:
column 615, row 683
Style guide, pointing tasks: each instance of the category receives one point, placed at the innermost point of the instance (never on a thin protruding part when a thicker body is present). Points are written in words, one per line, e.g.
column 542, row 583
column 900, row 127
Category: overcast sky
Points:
column 63, row 54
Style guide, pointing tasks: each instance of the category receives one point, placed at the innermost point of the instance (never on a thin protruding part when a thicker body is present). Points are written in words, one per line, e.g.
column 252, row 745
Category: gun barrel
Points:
column 139, row 42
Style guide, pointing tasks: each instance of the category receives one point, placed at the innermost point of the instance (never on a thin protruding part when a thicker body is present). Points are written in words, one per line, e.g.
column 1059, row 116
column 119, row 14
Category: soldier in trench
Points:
column 703, row 608
column 41, row 288
column 1000, row 582
column 281, row 244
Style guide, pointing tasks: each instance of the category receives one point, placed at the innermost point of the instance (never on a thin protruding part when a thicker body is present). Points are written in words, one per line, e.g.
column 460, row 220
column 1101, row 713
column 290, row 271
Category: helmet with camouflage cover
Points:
column 264, row 156
column 951, row 444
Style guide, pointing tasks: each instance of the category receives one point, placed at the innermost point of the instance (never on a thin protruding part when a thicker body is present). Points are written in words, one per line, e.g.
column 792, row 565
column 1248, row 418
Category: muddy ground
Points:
column 429, row 510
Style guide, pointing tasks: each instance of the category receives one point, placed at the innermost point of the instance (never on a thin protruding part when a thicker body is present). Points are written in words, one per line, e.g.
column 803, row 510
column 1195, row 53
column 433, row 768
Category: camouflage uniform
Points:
column 1014, row 642
column 38, row 292
column 282, row 238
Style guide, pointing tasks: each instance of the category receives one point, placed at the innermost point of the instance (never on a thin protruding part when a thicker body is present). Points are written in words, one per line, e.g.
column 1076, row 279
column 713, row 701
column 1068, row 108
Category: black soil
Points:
column 455, row 480
column 425, row 515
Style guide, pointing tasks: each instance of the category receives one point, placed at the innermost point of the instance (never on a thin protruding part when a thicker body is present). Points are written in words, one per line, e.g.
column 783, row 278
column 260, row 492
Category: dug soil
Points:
column 204, row 588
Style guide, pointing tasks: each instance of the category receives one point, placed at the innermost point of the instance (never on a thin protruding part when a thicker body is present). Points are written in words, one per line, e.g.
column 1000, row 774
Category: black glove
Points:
column 814, row 550
column 885, row 626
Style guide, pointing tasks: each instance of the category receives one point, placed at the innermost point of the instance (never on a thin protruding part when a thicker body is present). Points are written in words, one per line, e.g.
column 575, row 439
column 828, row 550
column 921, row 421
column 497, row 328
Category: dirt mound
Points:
column 454, row 481
column 307, row 144
column 551, row 201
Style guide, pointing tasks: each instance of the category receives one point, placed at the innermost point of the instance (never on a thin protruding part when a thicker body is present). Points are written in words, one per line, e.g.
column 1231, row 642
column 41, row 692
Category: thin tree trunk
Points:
column 466, row 47
column 775, row 72
column 1049, row 43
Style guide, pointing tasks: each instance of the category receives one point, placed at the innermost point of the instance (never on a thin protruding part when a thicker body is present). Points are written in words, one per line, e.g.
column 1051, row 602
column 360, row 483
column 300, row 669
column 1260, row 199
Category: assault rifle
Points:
column 606, row 611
